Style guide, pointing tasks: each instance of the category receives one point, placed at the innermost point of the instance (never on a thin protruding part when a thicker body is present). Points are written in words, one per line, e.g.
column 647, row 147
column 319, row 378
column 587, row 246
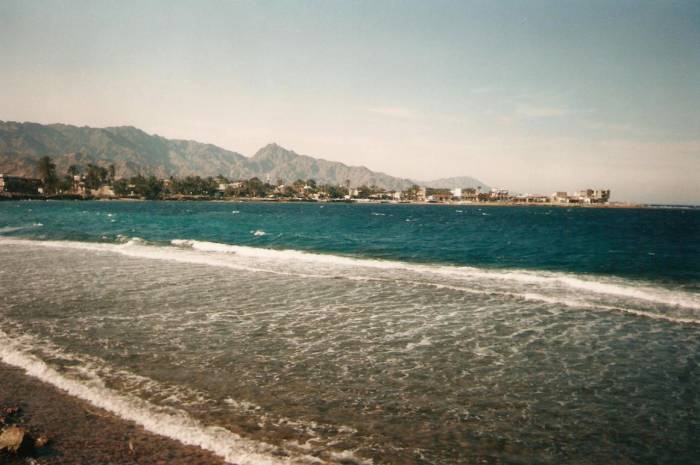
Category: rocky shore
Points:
column 60, row 429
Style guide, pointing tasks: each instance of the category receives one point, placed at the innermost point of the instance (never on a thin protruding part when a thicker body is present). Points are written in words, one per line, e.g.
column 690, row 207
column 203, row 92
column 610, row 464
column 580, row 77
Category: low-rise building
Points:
column 593, row 196
column 560, row 197
column 499, row 195
column 104, row 191
column 601, row 195
column 79, row 184
column 19, row 185
column 231, row 185
column 440, row 197
column 531, row 198
column 470, row 194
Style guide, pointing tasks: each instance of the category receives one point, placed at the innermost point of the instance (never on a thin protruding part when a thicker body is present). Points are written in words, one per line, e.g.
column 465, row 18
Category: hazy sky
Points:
column 532, row 96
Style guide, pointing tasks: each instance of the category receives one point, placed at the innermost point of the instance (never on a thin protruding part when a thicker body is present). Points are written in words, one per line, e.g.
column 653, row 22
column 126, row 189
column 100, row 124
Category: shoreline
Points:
column 613, row 205
column 81, row 433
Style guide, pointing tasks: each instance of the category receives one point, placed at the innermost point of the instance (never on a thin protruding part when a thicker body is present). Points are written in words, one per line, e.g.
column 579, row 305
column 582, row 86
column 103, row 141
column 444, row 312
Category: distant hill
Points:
column 279, row 163
column 133, row 152
column 451, row 183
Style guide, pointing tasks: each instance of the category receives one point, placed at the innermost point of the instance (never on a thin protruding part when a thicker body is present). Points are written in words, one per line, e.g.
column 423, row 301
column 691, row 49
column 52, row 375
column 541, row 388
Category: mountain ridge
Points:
column 133, row 152
column 455, row 182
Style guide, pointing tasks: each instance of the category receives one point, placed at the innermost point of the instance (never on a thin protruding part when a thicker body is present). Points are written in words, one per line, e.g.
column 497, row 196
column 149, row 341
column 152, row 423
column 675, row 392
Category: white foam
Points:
column 424, row 342
column 171, row 423
column 608, row 286
column 218, row 254
column 566, row 302
column 626, row 289
column 7, row 229
column 137, row 248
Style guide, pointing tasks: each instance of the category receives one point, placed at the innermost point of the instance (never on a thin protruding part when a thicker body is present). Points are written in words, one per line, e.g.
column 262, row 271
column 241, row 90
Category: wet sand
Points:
column 82, row 434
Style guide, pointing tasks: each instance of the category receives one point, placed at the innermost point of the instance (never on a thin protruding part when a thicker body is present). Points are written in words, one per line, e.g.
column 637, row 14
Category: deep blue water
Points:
column 652, row 244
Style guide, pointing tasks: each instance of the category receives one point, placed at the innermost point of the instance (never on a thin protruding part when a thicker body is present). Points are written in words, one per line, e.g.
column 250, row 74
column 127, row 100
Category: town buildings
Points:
column 308, row 190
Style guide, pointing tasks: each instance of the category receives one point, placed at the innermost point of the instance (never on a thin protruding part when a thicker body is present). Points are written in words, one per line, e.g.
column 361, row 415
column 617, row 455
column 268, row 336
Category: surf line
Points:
column 181, row 426
column 193, row 256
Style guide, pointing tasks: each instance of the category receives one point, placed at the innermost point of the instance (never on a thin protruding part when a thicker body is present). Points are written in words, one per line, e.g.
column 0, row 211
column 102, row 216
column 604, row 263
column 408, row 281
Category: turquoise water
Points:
column 656, row 244
column 340, row 333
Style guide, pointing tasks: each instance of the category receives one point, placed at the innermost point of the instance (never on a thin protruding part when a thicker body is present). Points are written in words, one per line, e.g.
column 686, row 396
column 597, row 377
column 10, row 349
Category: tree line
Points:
column 150, row 187
column 93, row 176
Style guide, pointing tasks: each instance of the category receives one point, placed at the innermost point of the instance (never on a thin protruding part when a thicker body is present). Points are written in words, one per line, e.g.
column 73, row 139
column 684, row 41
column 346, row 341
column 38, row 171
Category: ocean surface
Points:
column 367, row 334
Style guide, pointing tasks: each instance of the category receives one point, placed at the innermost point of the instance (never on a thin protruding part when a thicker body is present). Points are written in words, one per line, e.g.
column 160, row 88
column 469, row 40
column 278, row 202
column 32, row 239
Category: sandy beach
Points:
column 82, row 434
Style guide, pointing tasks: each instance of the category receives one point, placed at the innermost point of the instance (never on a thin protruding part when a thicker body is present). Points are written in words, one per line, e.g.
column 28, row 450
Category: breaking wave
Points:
column 567, row 289
column 9, row 229
column 169, row 422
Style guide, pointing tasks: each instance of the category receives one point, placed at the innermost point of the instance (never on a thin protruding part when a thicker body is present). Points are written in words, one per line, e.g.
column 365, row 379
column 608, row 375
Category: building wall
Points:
column 19, row 185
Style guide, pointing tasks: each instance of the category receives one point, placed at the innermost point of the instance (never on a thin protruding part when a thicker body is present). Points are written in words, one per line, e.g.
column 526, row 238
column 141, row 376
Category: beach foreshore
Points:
column 82, row 434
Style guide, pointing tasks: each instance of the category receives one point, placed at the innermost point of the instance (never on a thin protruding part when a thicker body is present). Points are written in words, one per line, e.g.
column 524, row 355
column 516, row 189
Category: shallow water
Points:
column 408, row 347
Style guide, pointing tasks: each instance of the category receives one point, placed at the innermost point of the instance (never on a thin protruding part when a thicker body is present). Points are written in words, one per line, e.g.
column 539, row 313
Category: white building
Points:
column 560, row 197
column 499, row 194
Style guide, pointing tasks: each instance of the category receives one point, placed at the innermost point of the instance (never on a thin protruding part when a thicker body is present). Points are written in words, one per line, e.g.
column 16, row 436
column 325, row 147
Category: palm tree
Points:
column 73, row 170
column 47, row 173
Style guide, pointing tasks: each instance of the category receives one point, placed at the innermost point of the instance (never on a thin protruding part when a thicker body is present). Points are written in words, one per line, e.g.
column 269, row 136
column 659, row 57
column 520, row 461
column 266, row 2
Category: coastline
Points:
column 614, row 205
column 80, row 433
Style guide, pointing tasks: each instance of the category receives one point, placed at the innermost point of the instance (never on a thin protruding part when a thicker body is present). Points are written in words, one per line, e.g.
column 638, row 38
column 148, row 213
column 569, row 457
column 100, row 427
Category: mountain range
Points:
column 457, row 181
column 133, row 151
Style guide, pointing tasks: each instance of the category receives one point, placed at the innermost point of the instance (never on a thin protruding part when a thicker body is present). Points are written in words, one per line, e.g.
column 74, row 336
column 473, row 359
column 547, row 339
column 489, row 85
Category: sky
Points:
column 531, row 96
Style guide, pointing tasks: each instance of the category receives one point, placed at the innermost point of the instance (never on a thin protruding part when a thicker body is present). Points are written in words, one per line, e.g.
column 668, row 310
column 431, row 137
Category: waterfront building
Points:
column 593, row 195
column 470, row 194
column 19, row 185
column 104, row 191
column 440, row 197
column 531, row 198
column 499, row 195
column 560, row 197
column 79, row 184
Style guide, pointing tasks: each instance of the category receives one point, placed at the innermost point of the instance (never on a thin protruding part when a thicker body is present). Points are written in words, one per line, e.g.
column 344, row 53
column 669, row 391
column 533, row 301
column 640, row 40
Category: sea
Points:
column 333, row 333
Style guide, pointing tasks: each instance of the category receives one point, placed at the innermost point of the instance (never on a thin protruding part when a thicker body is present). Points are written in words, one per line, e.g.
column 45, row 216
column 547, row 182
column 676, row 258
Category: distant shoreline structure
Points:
column 100, row 183
column 26, row 197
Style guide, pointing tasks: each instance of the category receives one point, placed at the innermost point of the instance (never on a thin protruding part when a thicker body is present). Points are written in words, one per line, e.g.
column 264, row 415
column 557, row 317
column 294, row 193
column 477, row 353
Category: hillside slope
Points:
column 133, row 152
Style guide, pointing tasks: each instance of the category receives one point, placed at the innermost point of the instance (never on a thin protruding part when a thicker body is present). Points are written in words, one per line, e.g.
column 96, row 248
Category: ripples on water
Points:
column 306, row 358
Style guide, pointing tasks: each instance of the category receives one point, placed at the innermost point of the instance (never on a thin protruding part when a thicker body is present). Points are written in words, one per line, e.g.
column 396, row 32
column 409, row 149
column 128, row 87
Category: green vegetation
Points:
column 47, row 174
column 96, row 180
column 149, row 188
